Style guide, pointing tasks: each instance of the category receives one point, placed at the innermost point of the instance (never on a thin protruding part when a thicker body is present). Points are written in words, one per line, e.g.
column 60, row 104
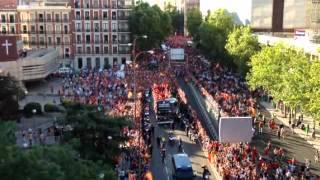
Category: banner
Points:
column 235, row 129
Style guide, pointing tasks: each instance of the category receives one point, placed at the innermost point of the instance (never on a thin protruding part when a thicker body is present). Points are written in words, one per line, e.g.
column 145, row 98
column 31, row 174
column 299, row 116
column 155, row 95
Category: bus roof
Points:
column 182, row 161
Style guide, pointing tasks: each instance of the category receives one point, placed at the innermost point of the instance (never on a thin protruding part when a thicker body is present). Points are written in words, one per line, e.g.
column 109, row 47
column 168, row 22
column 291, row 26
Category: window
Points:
column 78, row 27
column 65, row 17
column 79, row 63
column 98, row 63
column 78, row 17
column 66, row 29
column 33, row 40
column 76, row 4
column 88, row 27
column 96, row 38
column 106, row 50
column 11, row 18
column 3, row 18
column 58, row 40
column 114, row 27
column 57, row 17
column 115, row 61
column 95, row 3
column 66, row 40
column 78, row 38
column 49, row 17
column 79, row 50
column 33, row 28
column 123, row 60
column 88, row 50
column 66, row 50
column 97, row 50
column 88, row 39
column 96, row 27
column 25, row 40
column 49, row 40
column 41, row 40
column 95, row 15
column 12, row 29
column 114, row 38
column 105, row 27
column 40, row 17
column 4, row 29
column 106, row 62
column 115, row 49
column 58, row 28
column 105, row 38
column 41, row 29
column 49, row 28
column 87, row 15
column 105, row 15
column 114, row 15
column 24, row 28
column 89, row 63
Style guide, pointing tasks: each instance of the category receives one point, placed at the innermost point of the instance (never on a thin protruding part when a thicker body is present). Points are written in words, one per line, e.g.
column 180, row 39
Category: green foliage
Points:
column 9, row 93
column 177, row 18
column 194, row 20
column 282, row 71
column 241, row 45
column 214, row 31
column 52, row 108
column 28, row 108
column 91, row 130
column 150, row 21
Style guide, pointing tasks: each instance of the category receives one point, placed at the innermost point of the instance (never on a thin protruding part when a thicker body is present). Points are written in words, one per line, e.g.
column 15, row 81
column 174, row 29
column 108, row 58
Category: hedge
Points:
column 28, row 108
column 51, row 108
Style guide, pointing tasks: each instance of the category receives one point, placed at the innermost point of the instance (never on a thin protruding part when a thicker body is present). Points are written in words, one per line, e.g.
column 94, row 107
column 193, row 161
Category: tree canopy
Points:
column 9, row 94
column 241, row 45
column 194, row 20
column 151, row 21
column 213, row 33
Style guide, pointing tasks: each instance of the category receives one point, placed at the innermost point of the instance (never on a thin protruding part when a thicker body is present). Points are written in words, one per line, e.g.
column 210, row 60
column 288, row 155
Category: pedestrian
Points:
column 307, row 129
column 279, row 133
column 282, row 132
column 293, row 125
column 260, row 127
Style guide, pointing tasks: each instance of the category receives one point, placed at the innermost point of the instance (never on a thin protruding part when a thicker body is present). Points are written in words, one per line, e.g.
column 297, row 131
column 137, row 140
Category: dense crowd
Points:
column 230, row 93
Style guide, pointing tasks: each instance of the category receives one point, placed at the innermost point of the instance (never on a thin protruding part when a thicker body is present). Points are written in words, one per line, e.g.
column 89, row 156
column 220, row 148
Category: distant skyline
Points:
column 241, row 7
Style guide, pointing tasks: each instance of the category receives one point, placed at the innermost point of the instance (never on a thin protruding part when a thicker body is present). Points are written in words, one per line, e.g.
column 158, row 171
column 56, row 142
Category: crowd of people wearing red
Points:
column 233, row 98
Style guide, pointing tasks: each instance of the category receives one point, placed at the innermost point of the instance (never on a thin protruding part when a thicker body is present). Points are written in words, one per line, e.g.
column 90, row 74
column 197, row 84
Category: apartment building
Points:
column 189, row 5
column 101, row 32
column 9, row 17
column 286, row 17
column 46, row 24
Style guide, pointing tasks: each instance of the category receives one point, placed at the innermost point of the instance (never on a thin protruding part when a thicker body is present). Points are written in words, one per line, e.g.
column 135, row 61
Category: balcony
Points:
column 88, row 30
column 97, row 42
column 105, row 42
column 114, row 17
column 114, row 30
column 123, row 6
column 41, row 20
column 97, row 30
column 79, row 30
column 78, row 17
column 115, row 41
column 105, row 30
column 87, row 17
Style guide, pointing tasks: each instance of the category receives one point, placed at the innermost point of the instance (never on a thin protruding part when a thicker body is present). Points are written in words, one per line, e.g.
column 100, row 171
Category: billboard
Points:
column 177, row 54
column 235, row 129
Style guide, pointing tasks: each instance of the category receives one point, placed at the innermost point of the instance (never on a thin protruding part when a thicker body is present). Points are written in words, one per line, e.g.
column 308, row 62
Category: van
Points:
column 182, row 168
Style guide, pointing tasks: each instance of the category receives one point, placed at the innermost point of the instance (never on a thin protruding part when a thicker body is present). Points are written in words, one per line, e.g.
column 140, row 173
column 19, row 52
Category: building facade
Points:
column 101, row 32
column 86, row 33
column 189, row 5
column 46, row 24
column 286, row 17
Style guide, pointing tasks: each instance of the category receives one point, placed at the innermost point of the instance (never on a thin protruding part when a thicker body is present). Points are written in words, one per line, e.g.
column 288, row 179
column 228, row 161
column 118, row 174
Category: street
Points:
column 163, row 171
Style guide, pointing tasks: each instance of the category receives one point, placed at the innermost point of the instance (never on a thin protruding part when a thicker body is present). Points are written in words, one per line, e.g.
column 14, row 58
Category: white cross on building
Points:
column 7, row 46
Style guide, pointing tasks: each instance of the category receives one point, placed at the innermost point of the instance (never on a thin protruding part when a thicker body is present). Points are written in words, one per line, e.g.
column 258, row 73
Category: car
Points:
column 182, row 167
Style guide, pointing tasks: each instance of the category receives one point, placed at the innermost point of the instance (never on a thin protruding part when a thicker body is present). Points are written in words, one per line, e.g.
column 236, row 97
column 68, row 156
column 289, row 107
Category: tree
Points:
column 213, row 33
column 92, row 132
column 241, row 45
column 177, row 18
column 194, row 20
column 48, row 163
column 9, row 94
column 150, row 21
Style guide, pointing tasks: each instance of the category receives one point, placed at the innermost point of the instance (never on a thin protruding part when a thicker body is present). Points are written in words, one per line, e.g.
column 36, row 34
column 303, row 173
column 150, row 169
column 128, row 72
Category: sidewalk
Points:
column 298, row 131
